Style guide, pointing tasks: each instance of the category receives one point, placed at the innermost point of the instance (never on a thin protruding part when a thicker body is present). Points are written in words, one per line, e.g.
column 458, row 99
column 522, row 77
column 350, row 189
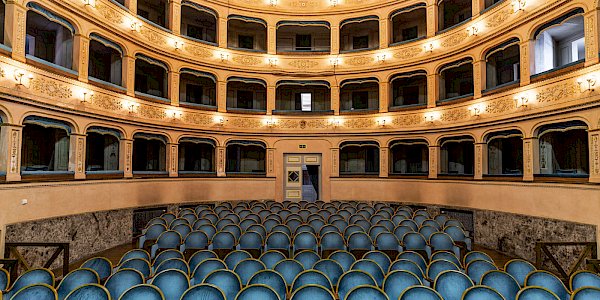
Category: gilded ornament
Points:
column 246, row 60
column 359, row 61
column 557, row 93
column 455, row 39
column 106, row 102
column 455, row 115
column 303, row 63
column 50, row 88
column 408, row 53
column 151, row 112
column 408, row 120
column 197, row 51
column 498, row 18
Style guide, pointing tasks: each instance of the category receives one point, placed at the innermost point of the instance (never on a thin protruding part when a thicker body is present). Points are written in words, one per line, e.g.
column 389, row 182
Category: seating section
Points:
column 302, row 251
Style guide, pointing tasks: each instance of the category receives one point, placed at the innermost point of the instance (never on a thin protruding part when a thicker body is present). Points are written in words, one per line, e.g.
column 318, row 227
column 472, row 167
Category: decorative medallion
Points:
column 246, row 60
column 303, row 64
column 359, row 61
column 408, row 53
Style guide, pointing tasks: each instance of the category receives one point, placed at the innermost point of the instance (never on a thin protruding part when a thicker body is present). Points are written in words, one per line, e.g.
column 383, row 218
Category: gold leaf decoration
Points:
column 359, row 123
column 151, row 112
column 245, row 123
column 359, row 61
column 498, row 18
column 51, row 88
column 408, row 53
column 197, row 51
column 455, row 115
column 246, row 60
column 557, row 92
column 106, row 102
column 153, row 37
column 500, row 106
column 455, row 39
column 197, row 119
column 407, row 120
column 303, row 64
column 109, row 14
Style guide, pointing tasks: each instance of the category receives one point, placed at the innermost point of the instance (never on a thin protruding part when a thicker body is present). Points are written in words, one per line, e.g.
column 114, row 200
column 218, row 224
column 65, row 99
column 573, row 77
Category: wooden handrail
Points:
column 11, row 249
column 542, row 250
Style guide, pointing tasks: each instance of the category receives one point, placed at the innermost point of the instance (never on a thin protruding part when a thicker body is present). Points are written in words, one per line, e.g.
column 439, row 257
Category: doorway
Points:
column 302, row 174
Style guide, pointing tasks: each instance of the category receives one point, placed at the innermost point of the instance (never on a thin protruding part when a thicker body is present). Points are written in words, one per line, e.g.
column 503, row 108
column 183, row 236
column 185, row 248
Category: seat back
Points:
column 482, row 292
column 165, row 255
column 196, row 240
column 582, row 278
column 352, row 279
column 311, row 277
column 397, row 281
column 344, row 258
column 475, row 269
column 536, row 293
column 519, row 269
column 272, row 279
column 452, row 284
column 278, row 240
column 257, row 291
column 312, row 292
column 122, row 280
column 370, row 267
column 359, row 241
column 436, row 267
column 204, row 291
column 586, row 293
column 101, row 265
column 447, row 255
column 200, row 256
column 382, row 260
column 204, row 268
column 331, row 269
column 387, row 241
column 502, row 282
column 247, row 268
column 143, row 292
column 307, row 258
column 416, row 258
column 414, row 241
column 173, row 283
column 549, row 281
column 271, row 258
column 227, row 281
column 173, row 264
column 409, row 266
column 366, row 292
column 35, row 291
column 420, row 293
column 289, row 269
column 90, row 291
column 75, row 279
column 234, row 257
column 34, row 276
column 305, row 241
column 223, row 240
column 251, row 240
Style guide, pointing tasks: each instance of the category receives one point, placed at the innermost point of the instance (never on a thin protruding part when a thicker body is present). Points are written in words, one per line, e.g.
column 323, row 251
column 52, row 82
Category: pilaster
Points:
column 335, row 99
column 271, row 95
column 129, row 74
column 335, row 162
column 77, row 155
column 10, row 151
column 433, row 81
column 271, row 39
column 530, row 159
column 81, row 48
column 384, row 97
column 173, row 159
column 132, row 6
column 594, row 140
column 174, row 88
column 476, row 7
column 526, row 61
column 222, row 96
column 591, row 37
column 384, row 37
column 479, row 160
column 175, row 16
column 220, row 151
column 14, row 29
column 222, row 33
column 434, row 161
column 126, row 158
column 383, row 162
column 335, row 40
column 271, row 162
column 432, row 19
column 478, row 78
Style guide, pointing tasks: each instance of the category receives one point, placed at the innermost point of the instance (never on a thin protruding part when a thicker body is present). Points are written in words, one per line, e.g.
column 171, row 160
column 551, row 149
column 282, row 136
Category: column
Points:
column 383, row 162
column 271, row 39
column 432, row 19
column 14, row 29
column 591, row 37
column 173, row 88
column 480, row 160
column 222, row 96
column 271, row 95
column 478, row 78
column 132, row 6
column 222, row 30
column 173, row 159
column 175, row 16
column 220, row 153
column 335, row 99
column 384, row 96
column 335, row 162
column 81, row 48
column 271, row 162
column 433, row 90
column 384, row 36
column 10, row 151
column 77, row 155
column 531, row 162
column 594, row 138
column 434, row 161
column 129, row 74
column 335, row 40
column 126, row 157
column 526, row 51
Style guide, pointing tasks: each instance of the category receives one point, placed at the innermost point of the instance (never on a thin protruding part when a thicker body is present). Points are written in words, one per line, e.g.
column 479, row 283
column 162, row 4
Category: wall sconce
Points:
column 519, row 5
column 273, row 2
column 178, row 45
column 476, row 111
column 381, row 57
column 224, row 57
column 431, row 117
column 135, row 26
column 270, row 122
column 381, row 122
column 219, row 121
column 174, row 114
column 272, row 62
column 587, row 85
column 334, row 3
column 20, row 77
column 86, row 97
column 335, row 122
column 131, row 106
column 521, row 101
column 472, row 31
column 91, row 3
column 429, row 47
column 334, row 62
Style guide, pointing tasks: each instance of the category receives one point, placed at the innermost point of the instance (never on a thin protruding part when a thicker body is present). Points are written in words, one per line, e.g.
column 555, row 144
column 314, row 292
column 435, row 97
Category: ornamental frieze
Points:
column 197, row 119
column 359, row 61
column 500, row 105
column 557, row 92
column 303, row 63
column 497, row 19
column 198, row 51
column 151, row 112
column 455, row 39
column 359, row 123
column 109, row 14
column 50, row 88
column 245, row 123
column 106, row 102
column 246, row 60
column 408, row 120
column 408, row 53
column 455, row 115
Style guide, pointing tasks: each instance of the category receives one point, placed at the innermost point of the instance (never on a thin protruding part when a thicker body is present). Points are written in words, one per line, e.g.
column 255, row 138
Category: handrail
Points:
column 11, row 248
column 542, row 250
